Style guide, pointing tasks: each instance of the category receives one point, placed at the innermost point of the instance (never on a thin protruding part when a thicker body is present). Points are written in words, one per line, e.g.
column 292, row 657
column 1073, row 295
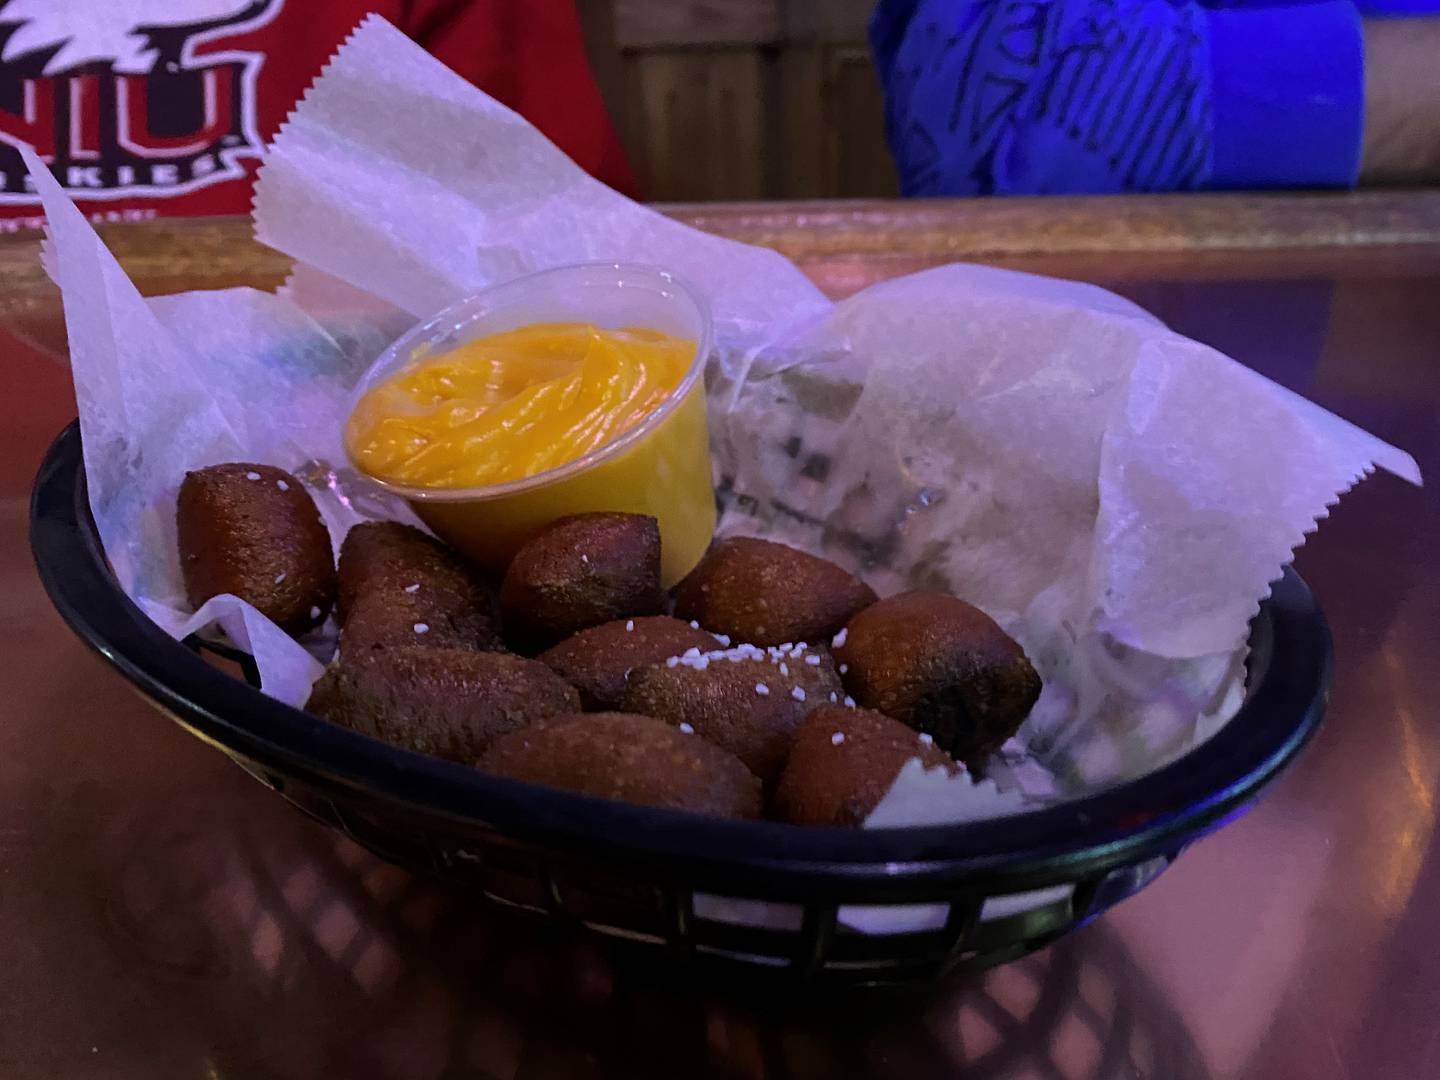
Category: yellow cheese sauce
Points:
column 513, row 405
column 456, row 429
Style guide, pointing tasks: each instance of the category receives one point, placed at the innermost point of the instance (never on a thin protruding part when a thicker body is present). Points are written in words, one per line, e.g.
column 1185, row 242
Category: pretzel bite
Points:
column 632, row 758
column 579, row 572
column 451, row 703
column 598, row 661
column 252, row 530
column 746, row 700
column 400, row 587
column 941, row 666
column 767, row 593
column 842, row 763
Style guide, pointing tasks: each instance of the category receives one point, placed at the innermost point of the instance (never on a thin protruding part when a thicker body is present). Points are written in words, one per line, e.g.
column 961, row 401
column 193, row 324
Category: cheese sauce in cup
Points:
column 571, row 390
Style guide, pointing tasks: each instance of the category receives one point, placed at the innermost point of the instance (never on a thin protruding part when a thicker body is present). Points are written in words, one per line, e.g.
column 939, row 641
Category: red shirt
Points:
column 170, row 119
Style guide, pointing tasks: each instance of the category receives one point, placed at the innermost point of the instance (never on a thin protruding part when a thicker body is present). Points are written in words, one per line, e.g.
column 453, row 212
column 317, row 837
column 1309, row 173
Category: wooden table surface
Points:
column 845, row 245
column 164, row 916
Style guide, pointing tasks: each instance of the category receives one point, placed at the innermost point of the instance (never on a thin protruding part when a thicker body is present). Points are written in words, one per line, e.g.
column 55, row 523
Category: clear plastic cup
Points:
column 660, row 467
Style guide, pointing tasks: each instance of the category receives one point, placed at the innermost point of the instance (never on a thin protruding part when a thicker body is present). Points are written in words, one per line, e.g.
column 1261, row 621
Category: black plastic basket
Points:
column 636, row 872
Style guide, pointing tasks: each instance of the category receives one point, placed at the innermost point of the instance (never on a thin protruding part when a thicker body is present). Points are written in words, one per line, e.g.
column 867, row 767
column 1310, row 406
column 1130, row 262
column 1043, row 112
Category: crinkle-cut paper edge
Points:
column 287, row 287
column 1323, row 514
column 49, row 257
column 372, row 19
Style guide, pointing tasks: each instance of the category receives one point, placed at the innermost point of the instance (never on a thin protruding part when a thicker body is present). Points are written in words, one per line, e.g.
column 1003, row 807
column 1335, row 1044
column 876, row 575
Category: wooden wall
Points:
column 742, row 99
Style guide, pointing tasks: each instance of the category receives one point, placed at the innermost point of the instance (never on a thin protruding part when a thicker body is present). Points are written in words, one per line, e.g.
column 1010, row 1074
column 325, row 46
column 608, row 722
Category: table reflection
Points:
column 292, row 952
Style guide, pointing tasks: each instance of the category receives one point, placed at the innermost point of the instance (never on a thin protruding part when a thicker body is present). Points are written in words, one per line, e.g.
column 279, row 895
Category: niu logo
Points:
column 127, row 97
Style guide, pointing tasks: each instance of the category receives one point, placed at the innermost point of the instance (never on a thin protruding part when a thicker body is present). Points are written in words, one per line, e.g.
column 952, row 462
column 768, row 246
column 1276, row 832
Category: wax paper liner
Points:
column 465, row 193
column 1116, row 495
column 179, row 382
